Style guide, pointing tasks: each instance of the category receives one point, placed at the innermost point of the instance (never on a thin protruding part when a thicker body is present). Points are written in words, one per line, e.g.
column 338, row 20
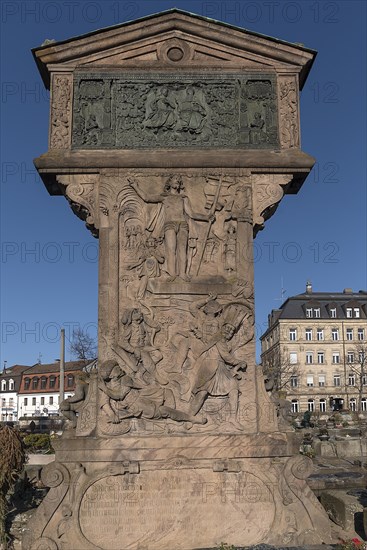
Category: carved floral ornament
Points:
column 288, row 112
column 61, row 108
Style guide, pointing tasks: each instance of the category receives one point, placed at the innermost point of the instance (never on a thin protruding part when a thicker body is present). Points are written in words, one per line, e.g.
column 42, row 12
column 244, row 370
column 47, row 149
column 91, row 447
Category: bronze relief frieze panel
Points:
column 135, row 110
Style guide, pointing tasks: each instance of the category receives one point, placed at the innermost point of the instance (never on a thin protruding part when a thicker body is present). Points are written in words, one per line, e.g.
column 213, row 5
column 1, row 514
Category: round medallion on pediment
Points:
column 175, row 51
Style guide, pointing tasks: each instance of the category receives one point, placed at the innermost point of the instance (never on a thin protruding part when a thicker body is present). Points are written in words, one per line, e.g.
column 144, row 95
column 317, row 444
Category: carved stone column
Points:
column 174, row 139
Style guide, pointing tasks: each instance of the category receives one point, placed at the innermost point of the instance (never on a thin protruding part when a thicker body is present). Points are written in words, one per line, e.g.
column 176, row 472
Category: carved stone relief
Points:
column 61, row 104
column 177, row 335
column 81, row 192
column 268, row 192
column 288, row 112
column 132, row 111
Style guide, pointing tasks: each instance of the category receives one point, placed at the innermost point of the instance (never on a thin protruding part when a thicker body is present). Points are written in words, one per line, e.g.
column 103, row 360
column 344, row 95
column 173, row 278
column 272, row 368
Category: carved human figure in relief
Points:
column 257, row 134
column 230, row 246
column 160, row 112
column 175, row 212
column 192, row 114
column 207, row 313
column 128, row 398
column 71, row 405
column 218, row 372
column 136, row 344
column 148, row 265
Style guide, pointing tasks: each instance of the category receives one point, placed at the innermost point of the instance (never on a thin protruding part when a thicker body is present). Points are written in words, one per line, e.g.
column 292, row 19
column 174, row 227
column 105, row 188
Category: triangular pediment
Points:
column 174, row 39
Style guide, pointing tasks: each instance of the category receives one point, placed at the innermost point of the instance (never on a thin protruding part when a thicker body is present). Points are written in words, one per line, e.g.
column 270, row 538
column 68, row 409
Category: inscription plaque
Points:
column 156, row 508
column 130, row 111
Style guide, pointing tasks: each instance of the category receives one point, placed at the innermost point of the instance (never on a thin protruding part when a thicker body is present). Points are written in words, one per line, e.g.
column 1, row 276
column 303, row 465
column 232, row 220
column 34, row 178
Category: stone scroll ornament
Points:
column 133, row 111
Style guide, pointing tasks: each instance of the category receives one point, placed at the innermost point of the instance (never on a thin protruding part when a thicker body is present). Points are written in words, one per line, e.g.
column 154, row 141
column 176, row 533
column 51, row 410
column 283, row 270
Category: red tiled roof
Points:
column 55, row 367
column 15, row 370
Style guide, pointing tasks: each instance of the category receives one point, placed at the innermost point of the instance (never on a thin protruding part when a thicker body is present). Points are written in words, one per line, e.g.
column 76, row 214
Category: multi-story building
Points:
column 10, row 380
column 34, row 390
column 39, row 392
column 317, row 342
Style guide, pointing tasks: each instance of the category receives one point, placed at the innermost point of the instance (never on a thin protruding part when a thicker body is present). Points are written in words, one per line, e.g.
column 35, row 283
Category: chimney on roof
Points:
column 308, row 287
column 347, row 291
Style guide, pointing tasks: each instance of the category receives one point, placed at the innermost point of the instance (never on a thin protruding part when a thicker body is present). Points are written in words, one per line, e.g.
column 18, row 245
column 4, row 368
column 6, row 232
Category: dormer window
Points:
column 35, row 383
column 308, row 311
column 349, row 312
column 27, row 383
column 316, row 312
column 11, row 384
column 333, row 312
column 357, row 313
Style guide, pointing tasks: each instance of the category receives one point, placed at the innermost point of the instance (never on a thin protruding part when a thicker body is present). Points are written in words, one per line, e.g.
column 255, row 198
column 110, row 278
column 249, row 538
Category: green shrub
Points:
column 38, row 442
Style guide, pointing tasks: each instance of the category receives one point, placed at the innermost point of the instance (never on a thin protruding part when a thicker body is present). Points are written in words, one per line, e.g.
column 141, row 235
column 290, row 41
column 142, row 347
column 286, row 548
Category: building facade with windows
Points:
column 39, row 392
column 10, row 380
column 319, row 340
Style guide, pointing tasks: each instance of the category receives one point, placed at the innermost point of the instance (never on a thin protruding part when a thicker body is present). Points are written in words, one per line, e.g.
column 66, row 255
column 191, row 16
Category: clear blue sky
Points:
column 49, row 259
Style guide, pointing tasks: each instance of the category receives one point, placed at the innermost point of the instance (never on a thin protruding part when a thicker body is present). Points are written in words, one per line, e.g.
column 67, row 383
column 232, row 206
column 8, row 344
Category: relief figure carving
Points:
column 160, row 111
column 134, row 110
column 288, row 112
column 193, row 114
column 73, row 404
column 136, row 346
column 207, row 313
column 230, row 247
column 174, row 213
column 218, row 373
column 60, row 112
column 127, row 398
column 148, row 265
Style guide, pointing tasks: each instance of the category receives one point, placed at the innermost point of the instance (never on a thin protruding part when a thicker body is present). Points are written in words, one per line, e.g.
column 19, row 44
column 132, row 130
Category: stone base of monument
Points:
column 177, row 493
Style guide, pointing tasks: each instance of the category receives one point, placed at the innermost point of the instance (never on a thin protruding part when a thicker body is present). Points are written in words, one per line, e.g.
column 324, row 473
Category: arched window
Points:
column 35, row 382
column 295, row 405
column 322, row 405
column 311, row 405
column 43, row 382
column 352, row 404
column 11, row 384
column 52, row 381
column 27, row 382
column 364, row 404
column 70, row 381
column 3, row 385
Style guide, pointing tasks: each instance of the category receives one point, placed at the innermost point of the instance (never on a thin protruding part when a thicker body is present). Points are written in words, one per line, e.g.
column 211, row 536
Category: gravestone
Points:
column 174, row 137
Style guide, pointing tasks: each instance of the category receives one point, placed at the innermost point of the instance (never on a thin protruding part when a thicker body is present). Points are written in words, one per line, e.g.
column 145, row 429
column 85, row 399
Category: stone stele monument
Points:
column 174, row 137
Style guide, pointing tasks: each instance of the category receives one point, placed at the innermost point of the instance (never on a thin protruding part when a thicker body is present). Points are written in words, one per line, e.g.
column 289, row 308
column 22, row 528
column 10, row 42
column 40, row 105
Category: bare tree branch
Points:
column 358, row 367
column 83, row 346
column 278, row 369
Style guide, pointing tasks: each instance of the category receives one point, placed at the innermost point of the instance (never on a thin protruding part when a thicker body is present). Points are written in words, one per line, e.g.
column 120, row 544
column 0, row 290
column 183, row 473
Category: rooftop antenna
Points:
column 39, row 358
column 4, row 368
column 282, row 291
